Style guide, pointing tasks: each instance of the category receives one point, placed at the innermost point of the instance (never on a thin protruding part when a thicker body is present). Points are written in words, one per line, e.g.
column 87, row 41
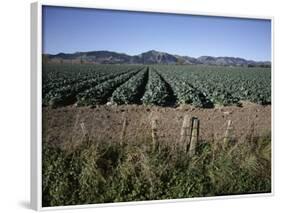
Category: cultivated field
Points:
column 200, row 86
column 115, row 133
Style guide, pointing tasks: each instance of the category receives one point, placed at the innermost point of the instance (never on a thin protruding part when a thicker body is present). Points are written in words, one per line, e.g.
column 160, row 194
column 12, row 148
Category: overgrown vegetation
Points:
column 105, row 171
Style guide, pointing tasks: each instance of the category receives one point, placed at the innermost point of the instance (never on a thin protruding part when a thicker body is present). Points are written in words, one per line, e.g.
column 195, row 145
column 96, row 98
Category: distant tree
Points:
column 180, row 61
column 265, row 65
column 81, row 60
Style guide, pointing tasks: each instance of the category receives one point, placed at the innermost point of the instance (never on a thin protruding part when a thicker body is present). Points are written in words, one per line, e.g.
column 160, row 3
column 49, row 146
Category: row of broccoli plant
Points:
column 156, row 92
column 185, row 93
column 68, row 94
column 217, row 93
column 131, row 91
column 208, row 86
column 101, row 93
column 59, row 75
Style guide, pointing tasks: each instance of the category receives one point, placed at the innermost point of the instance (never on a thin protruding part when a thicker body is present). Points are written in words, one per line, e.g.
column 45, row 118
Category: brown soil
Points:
column 105, row 122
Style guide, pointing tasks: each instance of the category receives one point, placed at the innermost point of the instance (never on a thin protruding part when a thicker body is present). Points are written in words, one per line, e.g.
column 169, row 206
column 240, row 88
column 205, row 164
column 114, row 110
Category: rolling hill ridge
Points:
column 149, row 57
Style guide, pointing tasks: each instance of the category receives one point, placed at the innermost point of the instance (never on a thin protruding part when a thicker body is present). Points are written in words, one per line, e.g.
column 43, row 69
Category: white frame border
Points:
column 36, row 102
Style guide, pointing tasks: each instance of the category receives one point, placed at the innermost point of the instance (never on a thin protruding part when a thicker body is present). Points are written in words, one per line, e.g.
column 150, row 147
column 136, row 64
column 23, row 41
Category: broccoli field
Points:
column 161, row 85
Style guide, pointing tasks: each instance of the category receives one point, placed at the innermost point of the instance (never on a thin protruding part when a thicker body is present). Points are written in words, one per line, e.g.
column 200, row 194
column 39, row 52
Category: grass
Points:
column 94, row 171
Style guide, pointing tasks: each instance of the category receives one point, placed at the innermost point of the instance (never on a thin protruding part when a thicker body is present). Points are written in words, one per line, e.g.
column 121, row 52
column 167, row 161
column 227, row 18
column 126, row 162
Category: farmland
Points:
column 115, row 133
column 142, row 106
column 160, row 85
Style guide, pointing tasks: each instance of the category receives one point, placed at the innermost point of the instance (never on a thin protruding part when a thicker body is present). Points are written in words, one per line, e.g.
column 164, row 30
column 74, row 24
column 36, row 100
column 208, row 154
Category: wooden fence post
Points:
column 85, row 137
column 84, row 131
column 227, row 133
column 194, row 137
column 251, row 132
column 154, row 134
column 124, row 129
column 185, row 133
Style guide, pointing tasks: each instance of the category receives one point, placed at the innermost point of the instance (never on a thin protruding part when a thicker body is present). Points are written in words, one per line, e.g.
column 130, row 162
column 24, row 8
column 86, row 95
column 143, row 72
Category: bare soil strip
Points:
column 105, row 122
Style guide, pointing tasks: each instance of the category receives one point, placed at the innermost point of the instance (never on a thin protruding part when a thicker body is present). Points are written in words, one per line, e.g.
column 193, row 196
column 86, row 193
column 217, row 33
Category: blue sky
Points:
column 72, row 30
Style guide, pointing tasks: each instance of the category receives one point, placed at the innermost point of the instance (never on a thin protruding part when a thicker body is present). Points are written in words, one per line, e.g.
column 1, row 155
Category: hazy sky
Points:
column 76, row 30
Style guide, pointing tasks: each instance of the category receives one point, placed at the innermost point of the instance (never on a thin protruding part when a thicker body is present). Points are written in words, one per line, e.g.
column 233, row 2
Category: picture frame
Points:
column 36, row 103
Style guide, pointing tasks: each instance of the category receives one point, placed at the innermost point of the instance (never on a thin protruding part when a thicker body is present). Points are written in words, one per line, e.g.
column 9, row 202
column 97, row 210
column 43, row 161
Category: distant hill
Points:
column 150, row 57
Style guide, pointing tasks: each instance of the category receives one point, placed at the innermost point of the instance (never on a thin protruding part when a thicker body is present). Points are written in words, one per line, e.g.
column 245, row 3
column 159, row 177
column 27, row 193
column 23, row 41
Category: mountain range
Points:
column 149, row 57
